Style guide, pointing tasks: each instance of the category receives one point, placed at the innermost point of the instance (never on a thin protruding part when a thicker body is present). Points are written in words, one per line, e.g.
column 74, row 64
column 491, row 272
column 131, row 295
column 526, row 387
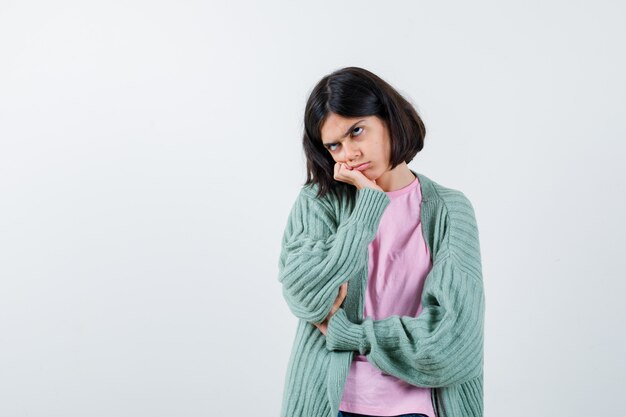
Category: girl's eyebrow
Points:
column 345, row 134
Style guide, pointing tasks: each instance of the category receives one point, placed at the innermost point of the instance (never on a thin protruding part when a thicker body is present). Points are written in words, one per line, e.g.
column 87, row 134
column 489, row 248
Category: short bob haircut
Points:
column 355, row 92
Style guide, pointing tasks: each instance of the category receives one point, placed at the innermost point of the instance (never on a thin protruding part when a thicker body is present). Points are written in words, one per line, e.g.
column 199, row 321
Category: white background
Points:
column 150, row 153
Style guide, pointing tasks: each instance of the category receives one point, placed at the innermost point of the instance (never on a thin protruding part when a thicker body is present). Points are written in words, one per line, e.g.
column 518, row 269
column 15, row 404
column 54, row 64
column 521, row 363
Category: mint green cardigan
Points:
column 325, row 243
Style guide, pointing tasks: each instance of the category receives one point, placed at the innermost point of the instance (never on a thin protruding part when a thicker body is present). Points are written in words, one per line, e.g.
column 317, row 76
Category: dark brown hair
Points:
column 356, row 92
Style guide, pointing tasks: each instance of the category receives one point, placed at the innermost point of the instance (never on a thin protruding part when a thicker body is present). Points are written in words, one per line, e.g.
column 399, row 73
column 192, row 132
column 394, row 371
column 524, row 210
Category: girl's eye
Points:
column 329, row 146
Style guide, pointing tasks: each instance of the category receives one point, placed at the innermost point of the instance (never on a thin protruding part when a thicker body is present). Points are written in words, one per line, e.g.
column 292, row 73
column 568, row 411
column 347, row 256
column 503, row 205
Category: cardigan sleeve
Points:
column 442, row 346
column 315, row 259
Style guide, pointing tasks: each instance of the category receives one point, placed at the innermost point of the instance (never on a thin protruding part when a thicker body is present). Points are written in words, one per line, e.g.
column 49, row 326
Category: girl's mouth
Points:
column 362, row 167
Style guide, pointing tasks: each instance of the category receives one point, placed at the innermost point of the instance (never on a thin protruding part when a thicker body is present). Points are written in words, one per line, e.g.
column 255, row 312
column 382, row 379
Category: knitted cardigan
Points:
column 325, row 243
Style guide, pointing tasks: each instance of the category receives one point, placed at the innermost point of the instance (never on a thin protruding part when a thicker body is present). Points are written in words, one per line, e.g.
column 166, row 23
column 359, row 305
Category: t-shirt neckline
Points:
column 405, row 189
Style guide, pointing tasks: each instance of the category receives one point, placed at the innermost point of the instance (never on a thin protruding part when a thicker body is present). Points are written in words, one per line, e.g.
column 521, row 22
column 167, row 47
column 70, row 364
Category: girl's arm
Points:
column 315, row 260
column 442, row 346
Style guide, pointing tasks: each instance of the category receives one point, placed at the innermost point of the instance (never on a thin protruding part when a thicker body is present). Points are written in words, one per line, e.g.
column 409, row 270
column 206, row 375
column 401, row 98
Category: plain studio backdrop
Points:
column 150, row 153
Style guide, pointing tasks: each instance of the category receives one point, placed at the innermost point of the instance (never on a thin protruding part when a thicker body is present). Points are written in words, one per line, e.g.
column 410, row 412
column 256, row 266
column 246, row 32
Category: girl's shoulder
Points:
column 332, row 206
column 310, row 191
column 451, row 198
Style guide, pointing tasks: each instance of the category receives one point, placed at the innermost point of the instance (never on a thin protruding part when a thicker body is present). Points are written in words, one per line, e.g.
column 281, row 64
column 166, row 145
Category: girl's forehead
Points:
column 335, row 122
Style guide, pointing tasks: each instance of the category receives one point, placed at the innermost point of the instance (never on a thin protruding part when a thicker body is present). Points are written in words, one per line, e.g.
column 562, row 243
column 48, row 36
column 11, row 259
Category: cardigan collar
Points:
column 426, row 185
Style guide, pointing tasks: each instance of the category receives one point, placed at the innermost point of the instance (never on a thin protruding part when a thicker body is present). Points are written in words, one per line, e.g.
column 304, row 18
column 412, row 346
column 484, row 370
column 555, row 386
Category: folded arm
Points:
column 442, row 346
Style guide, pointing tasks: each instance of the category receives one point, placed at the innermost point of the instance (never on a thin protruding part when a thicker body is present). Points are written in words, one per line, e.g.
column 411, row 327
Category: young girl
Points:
column 381, row 265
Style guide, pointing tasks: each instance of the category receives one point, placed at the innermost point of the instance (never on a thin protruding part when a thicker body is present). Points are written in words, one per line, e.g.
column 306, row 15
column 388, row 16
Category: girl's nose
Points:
column 351, row 154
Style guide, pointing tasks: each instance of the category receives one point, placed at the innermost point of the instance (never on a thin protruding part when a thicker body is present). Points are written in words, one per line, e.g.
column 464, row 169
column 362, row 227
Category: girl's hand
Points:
column 353, row 176
column 343, row 291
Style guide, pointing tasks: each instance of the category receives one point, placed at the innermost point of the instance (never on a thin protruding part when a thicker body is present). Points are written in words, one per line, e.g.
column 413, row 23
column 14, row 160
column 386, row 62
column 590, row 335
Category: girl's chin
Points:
column 369, row 174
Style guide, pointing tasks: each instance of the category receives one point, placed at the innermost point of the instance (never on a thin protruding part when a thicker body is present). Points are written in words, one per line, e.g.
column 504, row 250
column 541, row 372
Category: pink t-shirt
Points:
column 399, row 261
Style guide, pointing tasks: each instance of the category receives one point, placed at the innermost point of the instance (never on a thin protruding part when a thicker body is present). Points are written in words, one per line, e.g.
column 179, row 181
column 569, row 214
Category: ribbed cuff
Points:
column 342, row 334
column 369, row 207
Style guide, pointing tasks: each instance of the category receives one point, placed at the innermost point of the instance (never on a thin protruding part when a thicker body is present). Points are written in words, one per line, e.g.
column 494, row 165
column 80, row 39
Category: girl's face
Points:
column 357, row 140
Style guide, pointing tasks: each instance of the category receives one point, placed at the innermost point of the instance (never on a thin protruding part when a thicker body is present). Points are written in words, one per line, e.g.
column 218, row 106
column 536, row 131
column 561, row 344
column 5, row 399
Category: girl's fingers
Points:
column 343, row 291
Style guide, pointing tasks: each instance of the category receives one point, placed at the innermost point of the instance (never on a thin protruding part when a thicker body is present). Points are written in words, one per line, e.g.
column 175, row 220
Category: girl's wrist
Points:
column 372, row 186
